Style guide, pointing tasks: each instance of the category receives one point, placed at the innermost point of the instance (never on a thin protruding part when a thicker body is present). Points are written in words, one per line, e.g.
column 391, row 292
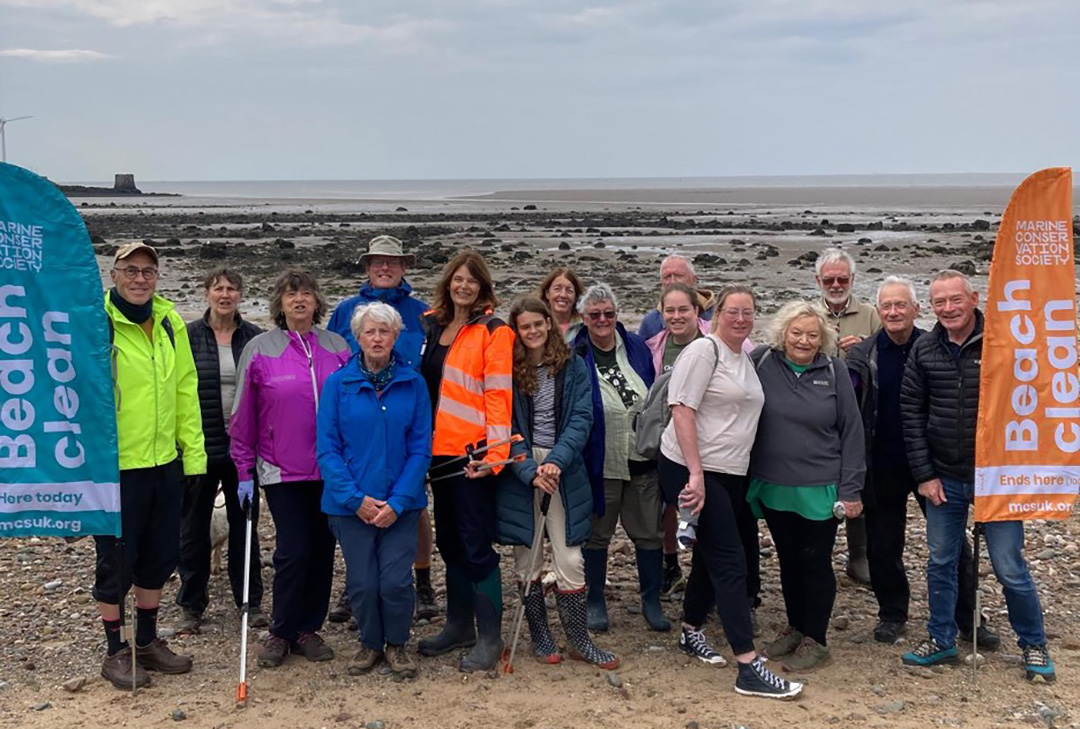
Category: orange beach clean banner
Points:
column 1027, row 446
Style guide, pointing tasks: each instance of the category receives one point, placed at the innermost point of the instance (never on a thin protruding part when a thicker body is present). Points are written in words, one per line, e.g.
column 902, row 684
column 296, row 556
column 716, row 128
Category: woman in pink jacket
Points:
column 280, row 376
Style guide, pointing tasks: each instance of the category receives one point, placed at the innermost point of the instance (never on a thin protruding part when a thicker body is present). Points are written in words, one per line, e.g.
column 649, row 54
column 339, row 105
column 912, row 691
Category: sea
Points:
column 433, row 190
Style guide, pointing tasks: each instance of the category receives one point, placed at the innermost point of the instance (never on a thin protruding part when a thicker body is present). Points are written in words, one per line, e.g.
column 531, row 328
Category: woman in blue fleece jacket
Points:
column 374, row 449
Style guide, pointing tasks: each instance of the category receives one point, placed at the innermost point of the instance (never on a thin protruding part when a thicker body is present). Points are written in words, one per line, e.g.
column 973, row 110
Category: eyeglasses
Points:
column 900, row 306
column 384, row 263
column 131, row 273
column 598, row 315
column 736, row 313
column 830, row 280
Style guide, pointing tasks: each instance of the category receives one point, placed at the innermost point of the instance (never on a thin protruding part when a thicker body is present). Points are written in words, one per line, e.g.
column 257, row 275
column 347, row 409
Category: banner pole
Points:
column 976, row 618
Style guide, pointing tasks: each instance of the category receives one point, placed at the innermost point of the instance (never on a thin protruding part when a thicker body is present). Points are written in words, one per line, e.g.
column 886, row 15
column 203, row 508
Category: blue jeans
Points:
column 378, row 576
column 945, row 534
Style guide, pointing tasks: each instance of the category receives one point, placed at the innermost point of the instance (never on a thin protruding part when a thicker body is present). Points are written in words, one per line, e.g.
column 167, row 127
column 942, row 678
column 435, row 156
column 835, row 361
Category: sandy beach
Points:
column 765, row 236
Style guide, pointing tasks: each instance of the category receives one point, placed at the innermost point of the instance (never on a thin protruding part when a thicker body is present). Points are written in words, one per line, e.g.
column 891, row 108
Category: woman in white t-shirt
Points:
column 716, row 401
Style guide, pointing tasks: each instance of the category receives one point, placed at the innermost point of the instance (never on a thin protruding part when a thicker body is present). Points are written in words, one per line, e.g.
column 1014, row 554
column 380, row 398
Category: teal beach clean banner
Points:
column 59, row 472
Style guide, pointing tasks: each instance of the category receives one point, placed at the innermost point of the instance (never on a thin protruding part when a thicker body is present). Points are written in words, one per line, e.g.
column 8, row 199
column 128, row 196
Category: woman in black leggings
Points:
column 716, row 400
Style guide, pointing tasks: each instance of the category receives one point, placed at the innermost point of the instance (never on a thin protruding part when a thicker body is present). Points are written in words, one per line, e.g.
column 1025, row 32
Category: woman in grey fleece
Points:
column 808, row 454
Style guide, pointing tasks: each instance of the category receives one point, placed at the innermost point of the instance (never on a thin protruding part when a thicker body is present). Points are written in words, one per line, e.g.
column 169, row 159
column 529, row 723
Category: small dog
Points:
column 219, row 532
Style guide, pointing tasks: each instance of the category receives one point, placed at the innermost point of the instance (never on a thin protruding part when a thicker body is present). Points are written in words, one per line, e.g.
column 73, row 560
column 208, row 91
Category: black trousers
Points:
column 718, row 569
column 196, row 511
column 147, row 551
column 748, row 535
column 886, row 520
column 804, row 547
column 303, row 558
column 465, row 521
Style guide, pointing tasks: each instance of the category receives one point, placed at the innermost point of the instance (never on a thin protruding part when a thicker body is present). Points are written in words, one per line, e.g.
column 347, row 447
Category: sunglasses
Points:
column 598, row 315
column 830, row 280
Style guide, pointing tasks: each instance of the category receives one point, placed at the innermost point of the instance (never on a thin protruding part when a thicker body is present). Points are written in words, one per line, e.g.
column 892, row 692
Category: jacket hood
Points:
column 351, row 373
column 390, row 296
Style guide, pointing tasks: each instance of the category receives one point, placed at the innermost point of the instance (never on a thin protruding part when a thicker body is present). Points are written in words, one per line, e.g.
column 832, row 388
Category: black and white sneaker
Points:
column 693, row 643
column 757, row 680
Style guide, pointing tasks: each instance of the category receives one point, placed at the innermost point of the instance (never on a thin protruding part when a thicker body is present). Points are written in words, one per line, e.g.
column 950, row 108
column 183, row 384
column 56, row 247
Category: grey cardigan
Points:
column 810, row 432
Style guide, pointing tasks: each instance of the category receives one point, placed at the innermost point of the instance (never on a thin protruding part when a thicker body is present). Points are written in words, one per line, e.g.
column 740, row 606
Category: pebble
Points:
column 613, row 680
column 74, row 684
column 166, row 632
column 1048, row 713
column 841, row 622
column 42, row 706
column 891, row 707
column 1046, row 554
column 375, row 724
column 878, row 690
column 924, row 672
column 53, row 584
column 692, row 725
column 1011, row 659
column 977, row 657
column 178, row 715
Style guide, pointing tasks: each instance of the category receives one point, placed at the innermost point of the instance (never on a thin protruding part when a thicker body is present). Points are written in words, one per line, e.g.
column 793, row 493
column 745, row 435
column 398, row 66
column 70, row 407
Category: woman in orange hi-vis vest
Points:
column 468, row 362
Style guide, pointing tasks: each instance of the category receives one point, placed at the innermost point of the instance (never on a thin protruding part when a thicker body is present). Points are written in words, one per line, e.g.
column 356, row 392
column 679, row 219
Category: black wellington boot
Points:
column 459, row 631
column 489, row 645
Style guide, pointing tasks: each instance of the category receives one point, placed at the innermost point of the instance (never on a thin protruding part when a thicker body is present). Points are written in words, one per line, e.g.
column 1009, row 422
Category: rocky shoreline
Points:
column 623, row 248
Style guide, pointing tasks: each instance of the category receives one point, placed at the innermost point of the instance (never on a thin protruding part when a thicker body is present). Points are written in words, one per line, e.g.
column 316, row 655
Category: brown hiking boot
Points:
column 116, row 669
column 312, row 647
column 401, row 663
column 365, row 659
column 257, row 618
column 784, row 644
column 273, row 652
column 159, row 657
column 189, row 622
column 809, row 655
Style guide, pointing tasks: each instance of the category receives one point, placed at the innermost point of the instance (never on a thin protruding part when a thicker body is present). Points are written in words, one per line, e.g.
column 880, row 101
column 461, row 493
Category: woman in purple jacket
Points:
column 280, row 376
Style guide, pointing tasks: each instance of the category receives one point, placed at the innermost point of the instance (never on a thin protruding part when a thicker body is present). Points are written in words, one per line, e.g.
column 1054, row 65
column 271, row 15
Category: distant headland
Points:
column 123, row 184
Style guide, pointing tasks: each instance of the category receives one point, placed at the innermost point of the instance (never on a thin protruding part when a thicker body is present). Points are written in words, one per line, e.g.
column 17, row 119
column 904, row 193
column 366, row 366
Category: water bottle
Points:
column 686, row 535
column 839, row 510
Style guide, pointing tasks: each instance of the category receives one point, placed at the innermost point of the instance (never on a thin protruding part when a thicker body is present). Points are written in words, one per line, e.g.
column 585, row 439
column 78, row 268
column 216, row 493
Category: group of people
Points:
column 530, row 423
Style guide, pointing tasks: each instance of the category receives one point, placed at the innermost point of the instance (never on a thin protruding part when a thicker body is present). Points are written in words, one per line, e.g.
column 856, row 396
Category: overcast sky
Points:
column 408, row 89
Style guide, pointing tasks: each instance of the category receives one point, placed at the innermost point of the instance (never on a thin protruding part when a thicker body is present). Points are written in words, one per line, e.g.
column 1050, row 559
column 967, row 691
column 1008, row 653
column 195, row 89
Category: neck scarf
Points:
column 134, row 313
column 379, row 380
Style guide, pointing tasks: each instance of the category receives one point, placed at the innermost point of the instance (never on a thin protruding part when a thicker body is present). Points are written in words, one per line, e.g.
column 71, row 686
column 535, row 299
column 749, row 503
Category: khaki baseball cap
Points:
column 136, row 245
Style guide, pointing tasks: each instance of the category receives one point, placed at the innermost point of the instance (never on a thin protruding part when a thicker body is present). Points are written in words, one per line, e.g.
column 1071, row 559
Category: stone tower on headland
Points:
column 125, row 182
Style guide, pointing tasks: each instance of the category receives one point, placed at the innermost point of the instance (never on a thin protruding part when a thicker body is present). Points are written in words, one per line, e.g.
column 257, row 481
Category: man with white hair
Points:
column 877, row 370
column 854, row 322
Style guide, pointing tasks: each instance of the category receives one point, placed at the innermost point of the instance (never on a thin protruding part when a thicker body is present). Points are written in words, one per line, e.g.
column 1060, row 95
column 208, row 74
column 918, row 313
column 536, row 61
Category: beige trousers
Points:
column 566, row 561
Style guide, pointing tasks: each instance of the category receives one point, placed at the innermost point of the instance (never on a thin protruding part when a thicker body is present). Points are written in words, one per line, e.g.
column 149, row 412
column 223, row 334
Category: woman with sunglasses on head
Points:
column 716, row 400
column 553, row 415
column 624, row 484
column 468, row 365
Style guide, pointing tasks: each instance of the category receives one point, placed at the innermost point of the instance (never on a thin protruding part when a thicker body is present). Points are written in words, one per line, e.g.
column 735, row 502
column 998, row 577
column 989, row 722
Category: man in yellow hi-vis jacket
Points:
column 157, row 410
